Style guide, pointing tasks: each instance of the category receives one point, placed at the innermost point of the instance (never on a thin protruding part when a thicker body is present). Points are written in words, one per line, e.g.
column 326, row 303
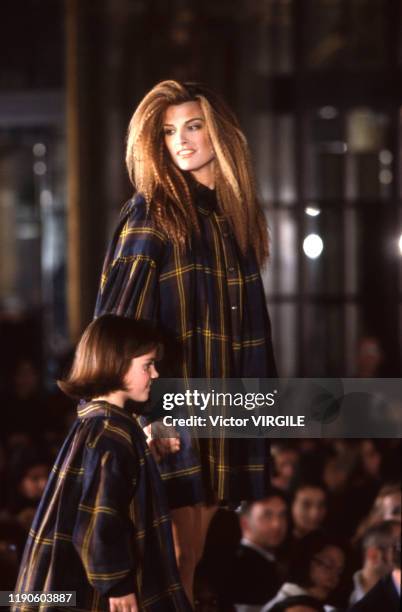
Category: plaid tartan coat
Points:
column 102, row 527
column 209, row 298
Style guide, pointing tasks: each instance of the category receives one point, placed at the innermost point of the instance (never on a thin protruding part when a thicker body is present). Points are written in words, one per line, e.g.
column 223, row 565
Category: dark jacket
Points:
column 253, row 579
column 383, row 597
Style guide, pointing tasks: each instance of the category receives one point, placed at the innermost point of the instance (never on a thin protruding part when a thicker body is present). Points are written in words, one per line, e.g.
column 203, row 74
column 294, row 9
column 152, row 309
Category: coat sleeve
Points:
column 104, row 534
column 130, row 277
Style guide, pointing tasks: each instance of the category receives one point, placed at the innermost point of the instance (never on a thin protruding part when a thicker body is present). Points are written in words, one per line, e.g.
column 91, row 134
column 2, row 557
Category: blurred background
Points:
column 318, row 90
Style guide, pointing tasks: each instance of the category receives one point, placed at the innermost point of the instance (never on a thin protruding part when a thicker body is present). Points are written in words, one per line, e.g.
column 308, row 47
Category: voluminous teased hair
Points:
column 163, row 184
column 104, row 353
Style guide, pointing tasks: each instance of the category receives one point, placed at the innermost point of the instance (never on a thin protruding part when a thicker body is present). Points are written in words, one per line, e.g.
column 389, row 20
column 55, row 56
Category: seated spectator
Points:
column 300, row 603
column 370, row 456
column 386, row 507
column 27, row 480
column 370, row 357
column 386, row 594
column 316, row 571
column 286, row 459
column 309, row 508
column 336, row 471
column 254, row 577
column 378, row 545
column 352, row 480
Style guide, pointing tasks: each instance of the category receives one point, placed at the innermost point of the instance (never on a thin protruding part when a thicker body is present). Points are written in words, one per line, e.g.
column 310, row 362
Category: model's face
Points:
column 139, row 377
column 309, row 509
column 326, row 569
column 267, row 523
column 187, row 140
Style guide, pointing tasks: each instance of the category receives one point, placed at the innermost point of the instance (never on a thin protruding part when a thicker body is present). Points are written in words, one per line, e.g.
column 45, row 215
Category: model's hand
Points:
column 162, row 445
column 127, row 603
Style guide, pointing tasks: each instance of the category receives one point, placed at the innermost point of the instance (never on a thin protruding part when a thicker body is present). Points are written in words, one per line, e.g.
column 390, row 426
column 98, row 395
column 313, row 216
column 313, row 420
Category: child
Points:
column 102, row 528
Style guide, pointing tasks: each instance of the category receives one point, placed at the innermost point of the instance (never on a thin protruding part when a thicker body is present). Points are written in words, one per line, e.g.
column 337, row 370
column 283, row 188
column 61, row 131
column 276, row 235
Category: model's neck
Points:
column 205, row 176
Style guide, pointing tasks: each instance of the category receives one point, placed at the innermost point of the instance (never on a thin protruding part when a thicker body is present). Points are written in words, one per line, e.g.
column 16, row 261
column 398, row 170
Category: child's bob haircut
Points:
column 104, row 354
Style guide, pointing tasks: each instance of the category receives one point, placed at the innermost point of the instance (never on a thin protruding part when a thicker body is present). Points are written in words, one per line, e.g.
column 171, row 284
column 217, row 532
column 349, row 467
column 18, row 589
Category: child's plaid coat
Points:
column 102, row 527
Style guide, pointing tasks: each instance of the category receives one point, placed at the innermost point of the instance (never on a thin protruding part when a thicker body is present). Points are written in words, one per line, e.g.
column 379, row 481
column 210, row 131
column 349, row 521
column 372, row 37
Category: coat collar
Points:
column 205, row 199
column 101, row 408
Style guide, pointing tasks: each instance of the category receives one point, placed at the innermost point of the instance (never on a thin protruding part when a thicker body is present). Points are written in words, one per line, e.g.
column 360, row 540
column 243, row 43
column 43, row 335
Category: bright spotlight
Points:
column 313, row 246
column 312, row 211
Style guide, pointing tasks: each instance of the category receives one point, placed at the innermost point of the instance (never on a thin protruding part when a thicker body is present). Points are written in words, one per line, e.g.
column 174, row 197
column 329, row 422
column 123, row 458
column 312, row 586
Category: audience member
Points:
column 353, row 480
column 309, row 508
column 300, row 603
column 27, row 480
column 286, row 458
column 254, row 573
column 386, row 507
column 378, row 552
column 370, row 357
column 386, row 594
column 316, row 571
column 371, row 458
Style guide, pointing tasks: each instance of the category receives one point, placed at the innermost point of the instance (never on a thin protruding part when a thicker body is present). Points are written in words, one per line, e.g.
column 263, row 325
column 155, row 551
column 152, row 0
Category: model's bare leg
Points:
column 206, row 514
column 190, row 526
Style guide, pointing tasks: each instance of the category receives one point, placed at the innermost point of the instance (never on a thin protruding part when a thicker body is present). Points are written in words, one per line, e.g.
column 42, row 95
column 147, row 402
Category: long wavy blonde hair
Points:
column 163, row 184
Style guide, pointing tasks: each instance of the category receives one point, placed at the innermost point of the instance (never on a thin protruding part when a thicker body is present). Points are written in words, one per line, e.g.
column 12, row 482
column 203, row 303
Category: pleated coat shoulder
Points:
column 210, row 299
column 103, row 521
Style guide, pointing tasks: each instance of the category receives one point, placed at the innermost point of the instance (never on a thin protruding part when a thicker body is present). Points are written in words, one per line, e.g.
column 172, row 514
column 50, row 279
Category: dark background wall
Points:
column 317, row 87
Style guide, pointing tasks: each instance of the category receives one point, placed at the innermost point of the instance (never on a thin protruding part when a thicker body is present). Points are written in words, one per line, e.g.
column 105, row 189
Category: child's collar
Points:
column 96, row 408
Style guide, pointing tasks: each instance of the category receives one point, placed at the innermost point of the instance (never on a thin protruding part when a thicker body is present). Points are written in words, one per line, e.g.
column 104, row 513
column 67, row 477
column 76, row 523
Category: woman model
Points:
column 186, row 255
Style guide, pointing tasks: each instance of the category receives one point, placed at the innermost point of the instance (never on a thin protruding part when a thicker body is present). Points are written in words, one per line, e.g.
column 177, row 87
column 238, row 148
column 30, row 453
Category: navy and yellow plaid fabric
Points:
column 103, row 520
column 210, row 298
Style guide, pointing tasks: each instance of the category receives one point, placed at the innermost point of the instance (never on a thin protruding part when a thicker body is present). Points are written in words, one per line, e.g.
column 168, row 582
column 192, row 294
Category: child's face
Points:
column 139, row 377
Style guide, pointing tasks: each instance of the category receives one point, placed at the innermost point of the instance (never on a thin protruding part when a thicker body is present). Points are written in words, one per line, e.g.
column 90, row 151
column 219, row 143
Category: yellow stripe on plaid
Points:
column 49, row 541
column 118, row 430
column 128, row 231
column 151, row 600
column 183, row 472
column 97, row 509
column 110, row 576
